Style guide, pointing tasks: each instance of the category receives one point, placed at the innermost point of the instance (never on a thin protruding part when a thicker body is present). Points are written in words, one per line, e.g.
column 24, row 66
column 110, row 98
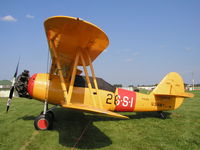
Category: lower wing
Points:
column 95, row 110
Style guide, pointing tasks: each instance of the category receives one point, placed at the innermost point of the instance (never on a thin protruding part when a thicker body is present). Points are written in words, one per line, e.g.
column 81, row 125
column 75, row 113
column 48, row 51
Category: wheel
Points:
column 43, row 122
column 161, row 115
column 50, row 114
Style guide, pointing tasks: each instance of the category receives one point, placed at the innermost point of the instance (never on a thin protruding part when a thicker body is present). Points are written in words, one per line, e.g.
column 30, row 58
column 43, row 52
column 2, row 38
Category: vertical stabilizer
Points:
column 172, row 85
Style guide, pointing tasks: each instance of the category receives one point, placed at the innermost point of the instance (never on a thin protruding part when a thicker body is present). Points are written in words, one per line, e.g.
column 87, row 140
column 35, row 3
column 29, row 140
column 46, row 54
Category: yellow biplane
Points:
column 75, row 43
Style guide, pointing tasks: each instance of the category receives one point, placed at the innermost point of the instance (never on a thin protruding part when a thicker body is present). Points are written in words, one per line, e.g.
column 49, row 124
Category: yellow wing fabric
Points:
column 70, row 35
column 92, row 109
column 74, row 42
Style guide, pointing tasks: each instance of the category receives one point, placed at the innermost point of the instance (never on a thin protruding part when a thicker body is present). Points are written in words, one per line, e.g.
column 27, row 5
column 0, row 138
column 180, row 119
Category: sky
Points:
column 148, row 38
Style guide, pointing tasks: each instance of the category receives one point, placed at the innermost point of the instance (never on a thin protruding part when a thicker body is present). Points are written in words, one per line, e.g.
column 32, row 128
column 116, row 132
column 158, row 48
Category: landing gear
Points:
column 50, row 114
column 162, row 116
column 45, row 120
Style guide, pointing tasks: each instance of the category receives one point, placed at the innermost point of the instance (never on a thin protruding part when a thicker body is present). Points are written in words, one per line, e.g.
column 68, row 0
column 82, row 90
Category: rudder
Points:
column 171, row 85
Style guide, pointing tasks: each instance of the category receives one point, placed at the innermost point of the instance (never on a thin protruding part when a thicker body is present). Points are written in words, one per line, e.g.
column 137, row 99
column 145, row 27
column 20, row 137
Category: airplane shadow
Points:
column 77, row 129
column 140, row 115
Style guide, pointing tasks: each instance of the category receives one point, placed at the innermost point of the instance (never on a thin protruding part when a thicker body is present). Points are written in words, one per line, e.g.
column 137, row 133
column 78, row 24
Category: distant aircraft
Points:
column 72, row 43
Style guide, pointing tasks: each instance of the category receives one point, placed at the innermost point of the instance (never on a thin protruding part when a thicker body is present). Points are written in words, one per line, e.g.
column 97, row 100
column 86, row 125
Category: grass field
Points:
column 181, row 129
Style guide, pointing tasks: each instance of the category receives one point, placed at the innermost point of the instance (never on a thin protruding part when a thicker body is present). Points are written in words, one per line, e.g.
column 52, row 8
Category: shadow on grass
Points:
column 140, row 115
column 136, row 115
column 71, row 124
column 27, row 118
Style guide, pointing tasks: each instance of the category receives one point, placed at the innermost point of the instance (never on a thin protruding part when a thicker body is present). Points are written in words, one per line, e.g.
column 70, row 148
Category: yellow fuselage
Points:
column 42, row 88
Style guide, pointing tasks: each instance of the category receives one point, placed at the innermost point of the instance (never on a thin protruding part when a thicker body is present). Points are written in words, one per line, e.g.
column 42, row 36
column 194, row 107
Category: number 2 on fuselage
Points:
column 124, row 100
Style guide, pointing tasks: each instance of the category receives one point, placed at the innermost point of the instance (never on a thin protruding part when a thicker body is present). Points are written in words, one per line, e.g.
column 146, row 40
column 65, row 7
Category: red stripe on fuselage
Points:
column 31, row 84
column 126, row 100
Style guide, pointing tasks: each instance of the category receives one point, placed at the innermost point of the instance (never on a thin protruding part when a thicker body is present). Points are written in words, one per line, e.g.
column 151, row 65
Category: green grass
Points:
column 143, row 131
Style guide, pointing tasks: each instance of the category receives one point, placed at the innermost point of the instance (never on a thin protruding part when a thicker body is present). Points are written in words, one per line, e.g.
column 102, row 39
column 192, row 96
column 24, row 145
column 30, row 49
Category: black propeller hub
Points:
column 21, row 84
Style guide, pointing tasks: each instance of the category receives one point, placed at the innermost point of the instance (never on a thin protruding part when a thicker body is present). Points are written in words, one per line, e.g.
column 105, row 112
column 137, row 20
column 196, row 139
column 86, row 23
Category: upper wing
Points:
column 92, row 109
column 70, row 35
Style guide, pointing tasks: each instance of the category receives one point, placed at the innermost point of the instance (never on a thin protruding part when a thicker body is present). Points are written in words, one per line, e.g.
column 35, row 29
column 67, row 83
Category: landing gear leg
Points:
column 45, row 107
column 45, row 120
column 162, row 116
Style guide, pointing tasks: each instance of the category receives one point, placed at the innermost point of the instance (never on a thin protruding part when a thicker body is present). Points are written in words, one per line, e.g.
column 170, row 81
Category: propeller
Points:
column 12, row 88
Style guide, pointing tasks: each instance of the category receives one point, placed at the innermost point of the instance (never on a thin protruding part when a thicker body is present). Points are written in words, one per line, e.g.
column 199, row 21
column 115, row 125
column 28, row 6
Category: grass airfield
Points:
column 143, row 131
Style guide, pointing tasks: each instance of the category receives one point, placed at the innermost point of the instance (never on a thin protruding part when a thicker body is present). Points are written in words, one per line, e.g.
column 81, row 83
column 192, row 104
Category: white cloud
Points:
column 9, row 18
column 30, row 16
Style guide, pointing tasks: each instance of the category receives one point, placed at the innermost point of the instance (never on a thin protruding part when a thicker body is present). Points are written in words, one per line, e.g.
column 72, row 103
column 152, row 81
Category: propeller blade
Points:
column 12, row 88
column 15, row 75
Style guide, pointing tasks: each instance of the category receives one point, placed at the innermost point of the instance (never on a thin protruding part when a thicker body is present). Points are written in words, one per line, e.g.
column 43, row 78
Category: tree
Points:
column 118, row 85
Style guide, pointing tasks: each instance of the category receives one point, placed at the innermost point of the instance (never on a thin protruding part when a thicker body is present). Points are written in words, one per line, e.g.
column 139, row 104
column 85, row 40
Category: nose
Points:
column 31, row 84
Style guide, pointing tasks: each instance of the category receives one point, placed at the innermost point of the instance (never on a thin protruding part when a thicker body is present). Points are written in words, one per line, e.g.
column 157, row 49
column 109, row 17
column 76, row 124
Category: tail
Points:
column 172, row 86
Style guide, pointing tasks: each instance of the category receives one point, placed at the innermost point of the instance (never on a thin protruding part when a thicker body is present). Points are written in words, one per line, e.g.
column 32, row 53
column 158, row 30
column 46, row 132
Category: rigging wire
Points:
column 82, row 133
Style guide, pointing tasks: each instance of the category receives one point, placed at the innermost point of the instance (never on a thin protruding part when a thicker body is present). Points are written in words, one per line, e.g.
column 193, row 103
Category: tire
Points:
column 43, row 122
column 50, row 114
column 161, row 115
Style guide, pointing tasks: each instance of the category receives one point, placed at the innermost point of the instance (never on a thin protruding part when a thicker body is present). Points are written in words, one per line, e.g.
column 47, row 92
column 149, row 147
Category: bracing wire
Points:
column 80, row 137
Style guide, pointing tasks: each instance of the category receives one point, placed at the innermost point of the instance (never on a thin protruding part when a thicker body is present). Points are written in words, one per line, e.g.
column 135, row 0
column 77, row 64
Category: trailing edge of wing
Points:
column 91, row 109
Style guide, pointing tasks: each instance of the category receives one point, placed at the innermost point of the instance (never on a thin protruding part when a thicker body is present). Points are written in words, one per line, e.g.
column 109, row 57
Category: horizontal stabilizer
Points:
column 172, row 85
column 185, row 95
column 92, row 109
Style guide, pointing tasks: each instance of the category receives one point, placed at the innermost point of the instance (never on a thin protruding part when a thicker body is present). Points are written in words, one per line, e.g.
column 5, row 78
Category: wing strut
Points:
column 94, row 80
column 80, row 57
column 63, row 84
column 88, row 79
column 80, row 53
column 71, row 86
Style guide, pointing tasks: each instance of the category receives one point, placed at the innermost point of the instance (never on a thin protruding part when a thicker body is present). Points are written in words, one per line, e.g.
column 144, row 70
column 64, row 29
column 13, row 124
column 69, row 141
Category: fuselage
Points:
column 42, row 88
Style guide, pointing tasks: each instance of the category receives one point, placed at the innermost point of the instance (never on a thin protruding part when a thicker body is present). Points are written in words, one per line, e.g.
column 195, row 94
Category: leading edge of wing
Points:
column 91, row 109
column 70, row 34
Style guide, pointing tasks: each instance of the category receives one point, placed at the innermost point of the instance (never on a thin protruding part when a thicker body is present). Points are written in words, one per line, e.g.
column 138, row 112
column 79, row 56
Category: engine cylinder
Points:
column 21, row 84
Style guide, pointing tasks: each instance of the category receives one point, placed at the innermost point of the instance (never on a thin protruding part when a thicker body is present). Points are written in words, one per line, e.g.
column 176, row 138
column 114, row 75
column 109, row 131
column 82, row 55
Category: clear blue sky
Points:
column 148, row 39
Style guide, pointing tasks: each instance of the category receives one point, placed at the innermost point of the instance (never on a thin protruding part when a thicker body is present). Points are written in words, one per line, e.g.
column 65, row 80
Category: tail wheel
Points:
column 43, row 122
column 162, row 116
